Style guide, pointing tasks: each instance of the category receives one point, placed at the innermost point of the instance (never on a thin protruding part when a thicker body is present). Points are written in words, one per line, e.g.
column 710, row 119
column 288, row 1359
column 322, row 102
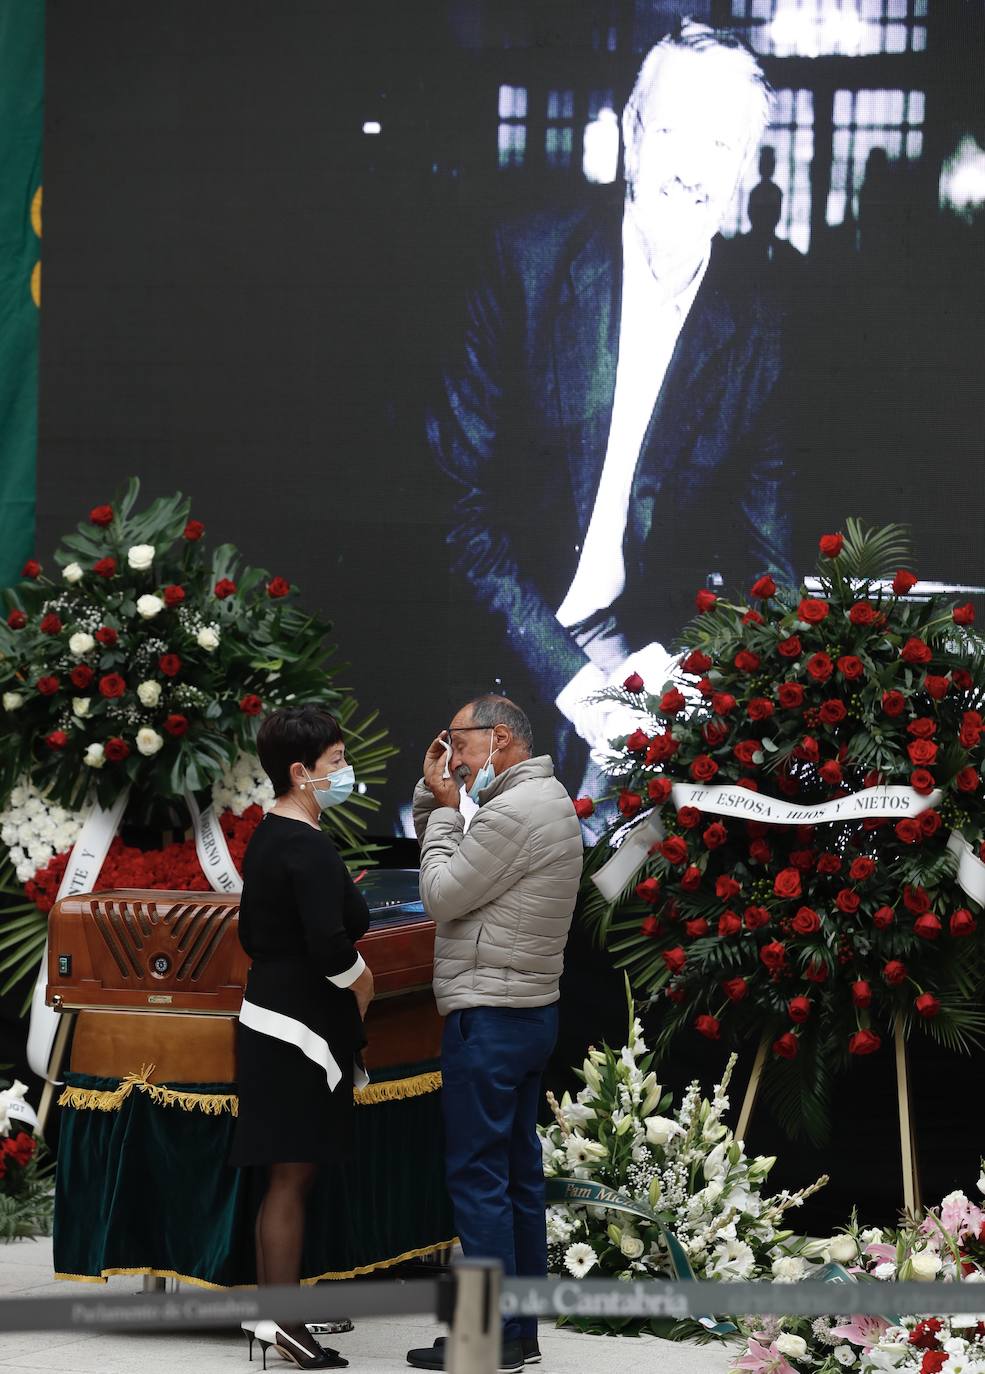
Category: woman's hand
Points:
column 364, row 990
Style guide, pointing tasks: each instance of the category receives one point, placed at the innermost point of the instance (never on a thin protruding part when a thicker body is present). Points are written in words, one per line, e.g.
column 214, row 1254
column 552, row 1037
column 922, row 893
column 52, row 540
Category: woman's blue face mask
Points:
column 338, row 790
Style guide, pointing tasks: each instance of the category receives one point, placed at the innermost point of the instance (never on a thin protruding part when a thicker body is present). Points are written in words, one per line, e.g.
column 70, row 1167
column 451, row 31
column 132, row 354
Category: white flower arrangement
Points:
column 241, row 785
column 34, row 829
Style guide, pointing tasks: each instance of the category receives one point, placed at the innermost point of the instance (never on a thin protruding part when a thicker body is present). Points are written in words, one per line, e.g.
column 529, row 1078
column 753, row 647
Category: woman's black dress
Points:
column 299, row 1029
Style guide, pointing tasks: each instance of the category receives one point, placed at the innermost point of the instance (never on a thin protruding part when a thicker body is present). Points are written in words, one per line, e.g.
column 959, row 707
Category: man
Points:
column 611, row 422
column 502, row 895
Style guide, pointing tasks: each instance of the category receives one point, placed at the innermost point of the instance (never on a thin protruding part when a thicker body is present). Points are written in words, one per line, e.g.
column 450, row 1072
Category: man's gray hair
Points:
column 690, row 36
column 489, row 711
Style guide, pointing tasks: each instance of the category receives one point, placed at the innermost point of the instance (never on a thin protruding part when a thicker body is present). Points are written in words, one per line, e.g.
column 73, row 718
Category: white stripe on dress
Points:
column 293, row 1032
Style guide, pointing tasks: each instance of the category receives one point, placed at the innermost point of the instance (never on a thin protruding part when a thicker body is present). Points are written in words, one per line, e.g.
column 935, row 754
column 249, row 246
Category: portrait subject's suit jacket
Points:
column 521, row 421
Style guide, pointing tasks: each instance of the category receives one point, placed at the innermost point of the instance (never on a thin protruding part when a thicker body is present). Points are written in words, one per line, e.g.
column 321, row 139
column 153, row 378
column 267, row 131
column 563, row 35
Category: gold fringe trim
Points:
column 214, row 1104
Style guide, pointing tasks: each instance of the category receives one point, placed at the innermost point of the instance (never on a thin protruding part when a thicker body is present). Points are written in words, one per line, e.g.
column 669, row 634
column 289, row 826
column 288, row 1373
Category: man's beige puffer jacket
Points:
column 502, row 894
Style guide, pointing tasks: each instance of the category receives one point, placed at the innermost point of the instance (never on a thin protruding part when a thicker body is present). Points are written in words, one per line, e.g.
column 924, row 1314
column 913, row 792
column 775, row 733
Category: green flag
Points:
column 21, row 94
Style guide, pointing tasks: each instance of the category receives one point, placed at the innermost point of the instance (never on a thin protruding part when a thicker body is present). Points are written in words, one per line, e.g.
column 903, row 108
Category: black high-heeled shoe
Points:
column 269, row 1334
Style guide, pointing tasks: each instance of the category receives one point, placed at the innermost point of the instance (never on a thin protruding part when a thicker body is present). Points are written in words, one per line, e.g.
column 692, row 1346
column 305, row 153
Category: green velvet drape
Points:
column 146, row 1188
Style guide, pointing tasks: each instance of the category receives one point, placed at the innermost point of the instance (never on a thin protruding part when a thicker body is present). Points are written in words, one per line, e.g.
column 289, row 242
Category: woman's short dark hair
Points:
column 294, row 734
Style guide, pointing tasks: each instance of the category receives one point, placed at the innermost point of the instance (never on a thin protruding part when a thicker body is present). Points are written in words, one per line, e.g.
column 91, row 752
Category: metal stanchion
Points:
column 476, row 1328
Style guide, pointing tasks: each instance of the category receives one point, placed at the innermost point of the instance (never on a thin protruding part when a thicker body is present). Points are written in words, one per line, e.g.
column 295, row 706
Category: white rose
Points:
column 660, row 1129
column 842, row 1249
column 631, row 1246
column 80, row 705
column 149, row 741
column 208, row 639
column 140, row 557
column 981, row 1182
column 72, row 573
column 12, row 701
column 794, row 1346
column 81, row 643
column 149, row 693
column 925, row 1264
column 95, row 756
column 149, row 606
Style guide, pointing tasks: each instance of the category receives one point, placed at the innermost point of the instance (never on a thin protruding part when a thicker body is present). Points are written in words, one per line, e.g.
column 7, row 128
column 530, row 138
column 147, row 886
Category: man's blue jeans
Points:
column 492, row 1060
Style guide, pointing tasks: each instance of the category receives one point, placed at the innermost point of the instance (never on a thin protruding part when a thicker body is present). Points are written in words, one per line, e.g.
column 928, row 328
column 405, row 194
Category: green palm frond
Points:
column 874, row 554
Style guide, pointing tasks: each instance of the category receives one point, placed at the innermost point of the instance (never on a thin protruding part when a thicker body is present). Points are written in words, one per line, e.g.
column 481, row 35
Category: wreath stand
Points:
column 904, row 1101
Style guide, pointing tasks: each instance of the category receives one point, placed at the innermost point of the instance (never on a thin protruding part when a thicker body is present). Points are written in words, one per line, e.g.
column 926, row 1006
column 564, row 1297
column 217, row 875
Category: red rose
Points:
column 278, row 587
column 909, row 831
column 650, row 927
column 106, row 636
column 671, row 702
column 116, row 749
column 756, row 917
column 848, row 901
column 173, row 595
column 729, row 924
column 808, row 749
column 820, row 667
column 864, row 1042
column 723, row 703
column 704, row 768
column 662, row 747
column 922, row 728
column 106, row 567
column 17, row 620
column 851, row 667
column 48, row 685
column 893, row 703
column 812, row 610
column 749, row 783
column 224, row 587
column 861, row 868
column 806, row 921
column 863, row 613
column 903, row 582
column 894, row 973
column 832, row 711
column 56, row 740
column 967, row 780
column 584, row 807
column 194, row 530
column 763, row 588
column 929, row 822
column 101, row 515
column 726, row 887
column 746, row 750
column 760, row 852
column 658, row 789
column 708, row 1026
column 50, row 624
column 697, row 662
column 790, row 694
column 816, row 972
column 831, row 545
column 176, row 725
column 759, row 708
column 799, row 1009
column 927, row 1005
column 675, row 958
column 773, row 955
column 691, row 878
column 169, row 664
column 696, row 928
column 704, row 600
column 676, row 994
column 81, row 676
column 630, row 803
column 802, row 859
column 648, row 890
column 922, row 781
column 962, row 679
column 112, row 685
column 735, row 989
column 789, row 647
column 674, row 849
column 787, row 883
column 883, row 917
column 746, row 661
column 936, row 686
column 861, row 993
column 32, row 568
column 962, row 923
column 829, row 863
column 752, row 618
column 969, row 735
column 831, row 772
column 689, row 817
column 916, row 650
column 713, row 732
column 637, row 742
column 922, row 752
column 928, row 927
column 785, row 1047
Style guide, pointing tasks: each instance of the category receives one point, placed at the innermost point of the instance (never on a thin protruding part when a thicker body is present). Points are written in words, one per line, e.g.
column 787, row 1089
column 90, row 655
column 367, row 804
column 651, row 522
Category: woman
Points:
column 300, row 1028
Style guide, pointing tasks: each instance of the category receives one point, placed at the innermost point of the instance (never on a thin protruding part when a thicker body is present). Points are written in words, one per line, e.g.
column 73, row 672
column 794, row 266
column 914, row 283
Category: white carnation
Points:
column 80, row 705
column 25, row 871
column 140, row 556
column 72, row 573
column 149, row 606
column 81, row 644
column 12, row 701
column 789, row 1269
column 208, row 639
column 844, row 1354
column 95, row 756
column 149, row 693
column 149, row 741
